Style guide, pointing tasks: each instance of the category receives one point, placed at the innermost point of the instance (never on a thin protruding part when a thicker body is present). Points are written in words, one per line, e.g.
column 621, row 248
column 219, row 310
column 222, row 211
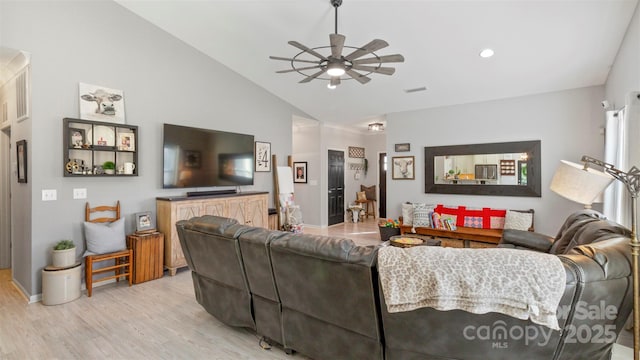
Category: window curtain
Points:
column 616, row 205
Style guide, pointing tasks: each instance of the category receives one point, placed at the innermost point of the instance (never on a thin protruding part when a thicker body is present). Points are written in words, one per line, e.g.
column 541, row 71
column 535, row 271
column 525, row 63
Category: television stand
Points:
column 212, row 192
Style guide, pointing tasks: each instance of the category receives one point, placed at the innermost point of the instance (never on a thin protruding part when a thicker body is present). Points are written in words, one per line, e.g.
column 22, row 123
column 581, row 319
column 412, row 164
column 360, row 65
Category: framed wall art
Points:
column 21, row 149
column 300, row 172
column 403, row 168
column 101, row 103
column 403, row 147
column 263, row 156
column 356, row 152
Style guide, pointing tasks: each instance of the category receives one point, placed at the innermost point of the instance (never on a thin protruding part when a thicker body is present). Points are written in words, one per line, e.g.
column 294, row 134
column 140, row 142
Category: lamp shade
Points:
column 574, row 182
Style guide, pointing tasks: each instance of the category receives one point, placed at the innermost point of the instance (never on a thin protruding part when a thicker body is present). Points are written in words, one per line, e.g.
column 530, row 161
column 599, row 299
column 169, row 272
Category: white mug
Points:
column 128, row 168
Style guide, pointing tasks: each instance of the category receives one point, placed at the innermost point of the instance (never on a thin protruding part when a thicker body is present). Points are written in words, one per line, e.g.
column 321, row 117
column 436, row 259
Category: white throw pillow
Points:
column 407, row 214
column 104, row 238
column 518, row 220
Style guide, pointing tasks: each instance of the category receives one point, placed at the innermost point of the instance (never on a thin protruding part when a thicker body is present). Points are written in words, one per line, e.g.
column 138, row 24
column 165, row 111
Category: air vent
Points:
column 408, row 91
column 22, row 96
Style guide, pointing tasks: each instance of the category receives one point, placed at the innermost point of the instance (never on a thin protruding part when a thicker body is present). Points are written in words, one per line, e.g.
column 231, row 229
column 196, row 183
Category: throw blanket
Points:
column 518, row 283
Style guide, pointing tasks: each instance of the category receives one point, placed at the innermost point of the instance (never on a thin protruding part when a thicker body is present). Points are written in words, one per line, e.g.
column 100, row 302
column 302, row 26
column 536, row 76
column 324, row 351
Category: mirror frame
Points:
column 532, row 189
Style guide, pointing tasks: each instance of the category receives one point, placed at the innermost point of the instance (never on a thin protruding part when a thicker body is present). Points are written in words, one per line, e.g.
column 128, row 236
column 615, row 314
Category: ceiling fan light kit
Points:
column 336, row 66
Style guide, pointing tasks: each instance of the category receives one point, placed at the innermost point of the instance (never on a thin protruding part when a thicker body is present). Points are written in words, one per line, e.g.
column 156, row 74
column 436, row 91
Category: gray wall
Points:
column 164, row 80
column 568, row 124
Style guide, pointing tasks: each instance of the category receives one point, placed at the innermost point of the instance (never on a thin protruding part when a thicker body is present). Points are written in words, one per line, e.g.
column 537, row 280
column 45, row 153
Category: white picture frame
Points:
column 101, row 103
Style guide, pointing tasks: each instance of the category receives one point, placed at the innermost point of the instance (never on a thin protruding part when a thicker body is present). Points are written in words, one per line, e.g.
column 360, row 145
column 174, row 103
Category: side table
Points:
column 148, row 255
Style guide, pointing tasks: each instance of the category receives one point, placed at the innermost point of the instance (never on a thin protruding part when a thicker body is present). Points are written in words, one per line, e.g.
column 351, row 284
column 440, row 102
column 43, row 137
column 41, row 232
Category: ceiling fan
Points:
column 340, row 67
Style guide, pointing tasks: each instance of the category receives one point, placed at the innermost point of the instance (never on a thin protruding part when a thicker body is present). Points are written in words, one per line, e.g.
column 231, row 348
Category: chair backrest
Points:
column 370, row 191
column 100, row 209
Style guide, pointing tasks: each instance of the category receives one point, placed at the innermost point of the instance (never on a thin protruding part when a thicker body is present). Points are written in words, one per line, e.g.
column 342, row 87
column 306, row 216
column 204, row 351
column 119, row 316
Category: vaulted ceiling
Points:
column 540, row 46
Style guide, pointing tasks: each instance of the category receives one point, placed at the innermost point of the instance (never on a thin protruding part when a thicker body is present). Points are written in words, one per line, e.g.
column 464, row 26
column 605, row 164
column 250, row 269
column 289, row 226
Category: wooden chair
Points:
column 366, row 202
column 123, row 259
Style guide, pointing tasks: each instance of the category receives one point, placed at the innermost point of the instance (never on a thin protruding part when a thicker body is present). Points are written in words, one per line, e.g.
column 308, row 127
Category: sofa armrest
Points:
column 525, row 240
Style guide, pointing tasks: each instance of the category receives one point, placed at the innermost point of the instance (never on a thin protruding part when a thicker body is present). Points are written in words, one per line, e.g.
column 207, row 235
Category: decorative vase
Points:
column 63, row 258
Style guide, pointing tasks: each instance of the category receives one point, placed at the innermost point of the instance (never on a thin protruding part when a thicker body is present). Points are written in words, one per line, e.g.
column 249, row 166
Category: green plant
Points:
column 64, row 245
column 109, row 165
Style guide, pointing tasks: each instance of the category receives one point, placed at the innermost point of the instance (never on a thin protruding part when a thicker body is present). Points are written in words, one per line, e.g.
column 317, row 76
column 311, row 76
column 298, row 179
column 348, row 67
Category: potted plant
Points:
column 109, row 167
column 64, row 254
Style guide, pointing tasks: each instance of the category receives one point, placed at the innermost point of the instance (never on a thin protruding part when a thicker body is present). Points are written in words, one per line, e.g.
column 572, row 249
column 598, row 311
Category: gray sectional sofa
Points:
column 321, row 296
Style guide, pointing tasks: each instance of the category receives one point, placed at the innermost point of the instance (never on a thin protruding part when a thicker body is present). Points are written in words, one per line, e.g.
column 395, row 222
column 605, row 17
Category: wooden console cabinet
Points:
column 248, row 208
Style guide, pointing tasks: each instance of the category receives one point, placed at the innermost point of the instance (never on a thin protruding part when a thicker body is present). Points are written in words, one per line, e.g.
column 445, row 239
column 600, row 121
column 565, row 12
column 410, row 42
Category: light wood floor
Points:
column 159, row 319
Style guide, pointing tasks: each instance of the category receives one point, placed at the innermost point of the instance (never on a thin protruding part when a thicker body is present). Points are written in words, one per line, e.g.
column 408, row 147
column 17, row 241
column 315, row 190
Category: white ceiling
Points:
column 540, row 46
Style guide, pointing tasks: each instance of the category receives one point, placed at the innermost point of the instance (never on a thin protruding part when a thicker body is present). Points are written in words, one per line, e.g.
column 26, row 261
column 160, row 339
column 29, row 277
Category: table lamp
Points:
column 583, row 184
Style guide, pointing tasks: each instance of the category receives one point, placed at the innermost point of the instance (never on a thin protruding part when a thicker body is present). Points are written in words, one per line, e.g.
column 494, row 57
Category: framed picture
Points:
column 126, row 141
column 145, row 222
column 300, row 172
column 76, row 137
column 192, row 159
column 263, row 156
column 21, row 149
column 403, row 147
column 101, row 103
column 403, row 168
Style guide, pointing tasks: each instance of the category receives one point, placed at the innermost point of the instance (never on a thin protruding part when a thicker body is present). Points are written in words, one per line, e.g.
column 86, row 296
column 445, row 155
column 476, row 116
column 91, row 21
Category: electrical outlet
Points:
column 49, row 195
column 80, row 193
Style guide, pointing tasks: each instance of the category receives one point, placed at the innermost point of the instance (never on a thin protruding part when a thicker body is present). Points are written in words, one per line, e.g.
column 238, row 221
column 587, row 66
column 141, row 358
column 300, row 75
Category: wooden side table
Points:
column 148, row 255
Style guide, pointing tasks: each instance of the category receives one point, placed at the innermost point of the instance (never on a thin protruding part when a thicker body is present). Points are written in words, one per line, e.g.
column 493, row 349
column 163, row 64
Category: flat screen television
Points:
column 194, row 157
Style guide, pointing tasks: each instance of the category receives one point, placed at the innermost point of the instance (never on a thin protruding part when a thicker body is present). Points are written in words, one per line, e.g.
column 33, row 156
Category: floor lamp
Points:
column 583, row 184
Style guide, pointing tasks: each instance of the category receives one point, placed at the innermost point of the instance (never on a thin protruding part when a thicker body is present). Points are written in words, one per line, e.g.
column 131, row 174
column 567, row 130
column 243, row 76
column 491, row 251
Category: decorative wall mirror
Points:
column 498, row 169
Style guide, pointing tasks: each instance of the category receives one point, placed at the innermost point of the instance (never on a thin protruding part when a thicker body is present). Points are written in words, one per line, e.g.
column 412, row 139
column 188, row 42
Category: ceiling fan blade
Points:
column 373, row 69
column 335, row 81
column 289, row 59
column 358, row 77
column 307, row 50
column 380, row 60
column 337, row 42
column 297, row 69
column 373, row 45
column 311, row 77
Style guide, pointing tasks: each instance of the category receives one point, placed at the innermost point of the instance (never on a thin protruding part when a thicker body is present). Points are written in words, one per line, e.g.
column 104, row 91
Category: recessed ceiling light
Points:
column 486, row 53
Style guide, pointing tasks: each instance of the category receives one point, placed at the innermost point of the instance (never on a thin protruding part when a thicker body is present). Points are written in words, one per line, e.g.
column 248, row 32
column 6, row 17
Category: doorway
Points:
column 382, row 180
column 335, row 175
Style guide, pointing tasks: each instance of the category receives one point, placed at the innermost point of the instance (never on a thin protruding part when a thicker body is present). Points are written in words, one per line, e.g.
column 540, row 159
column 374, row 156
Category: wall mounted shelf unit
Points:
column 88, row 145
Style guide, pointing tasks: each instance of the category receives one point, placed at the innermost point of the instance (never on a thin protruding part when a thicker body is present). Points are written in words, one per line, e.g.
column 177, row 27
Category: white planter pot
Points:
column 63, row 258
column 109, row 171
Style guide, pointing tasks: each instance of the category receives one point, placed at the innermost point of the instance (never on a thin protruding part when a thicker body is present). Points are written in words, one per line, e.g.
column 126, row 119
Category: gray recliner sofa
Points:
column 320, row 296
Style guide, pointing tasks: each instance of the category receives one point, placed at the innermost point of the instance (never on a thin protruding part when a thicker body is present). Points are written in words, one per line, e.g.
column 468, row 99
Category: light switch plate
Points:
column 49, row 195
column 80, row 193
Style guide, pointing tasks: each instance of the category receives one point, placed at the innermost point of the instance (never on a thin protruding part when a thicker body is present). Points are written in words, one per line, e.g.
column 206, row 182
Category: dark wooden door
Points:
column 382, row 180
column 336, row 187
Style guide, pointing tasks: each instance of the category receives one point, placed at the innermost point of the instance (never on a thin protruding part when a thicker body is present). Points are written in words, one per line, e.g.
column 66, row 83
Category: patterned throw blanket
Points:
column 518, row 283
